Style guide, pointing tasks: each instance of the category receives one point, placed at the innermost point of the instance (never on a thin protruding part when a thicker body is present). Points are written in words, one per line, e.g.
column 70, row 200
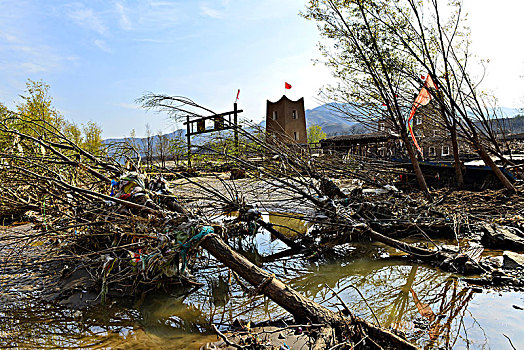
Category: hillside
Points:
column 513, row 125
column 333, row 123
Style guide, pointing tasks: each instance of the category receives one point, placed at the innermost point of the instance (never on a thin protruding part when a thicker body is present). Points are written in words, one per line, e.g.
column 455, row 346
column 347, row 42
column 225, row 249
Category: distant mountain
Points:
column 505, row 112
column 500, row 112
column 335, row 123
column 142, row 141
column 180, row 133
column 331, row 121
column 510, row 125
column 196, row 140
column 516, row 124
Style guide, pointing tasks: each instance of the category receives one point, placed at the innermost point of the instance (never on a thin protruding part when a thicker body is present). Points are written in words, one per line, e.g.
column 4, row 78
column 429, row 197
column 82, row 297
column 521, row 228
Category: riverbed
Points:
column 431, row 308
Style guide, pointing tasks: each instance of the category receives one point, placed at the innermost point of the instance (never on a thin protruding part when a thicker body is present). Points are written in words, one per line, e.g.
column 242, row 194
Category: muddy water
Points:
column 432, row 308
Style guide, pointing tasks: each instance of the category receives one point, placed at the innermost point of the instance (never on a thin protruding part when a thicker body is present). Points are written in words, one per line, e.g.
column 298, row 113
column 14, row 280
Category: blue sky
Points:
column 99, row 56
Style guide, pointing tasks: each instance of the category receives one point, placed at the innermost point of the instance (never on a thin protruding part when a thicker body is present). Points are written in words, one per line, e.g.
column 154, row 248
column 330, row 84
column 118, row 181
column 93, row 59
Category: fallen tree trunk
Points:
column 289, row 242
column 302, row 308
column 447, row 260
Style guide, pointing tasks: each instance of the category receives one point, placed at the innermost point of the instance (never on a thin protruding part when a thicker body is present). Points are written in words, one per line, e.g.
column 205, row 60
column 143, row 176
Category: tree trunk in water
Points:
column 405, row 247
column 448, row 261
column 457, row 164
column 269, row 227
column 416, row 167
column 302, row 308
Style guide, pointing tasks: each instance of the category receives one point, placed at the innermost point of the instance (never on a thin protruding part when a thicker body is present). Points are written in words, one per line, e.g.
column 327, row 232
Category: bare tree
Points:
column 162, row 145
column 177, row 146
column 178, row 107
column 378, row 49
column 132, row 148
column 149, row 146
column 371, row 72
column 447, row 61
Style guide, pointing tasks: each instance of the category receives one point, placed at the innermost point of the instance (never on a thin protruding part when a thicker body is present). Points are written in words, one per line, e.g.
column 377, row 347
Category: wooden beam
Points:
column 214, row 116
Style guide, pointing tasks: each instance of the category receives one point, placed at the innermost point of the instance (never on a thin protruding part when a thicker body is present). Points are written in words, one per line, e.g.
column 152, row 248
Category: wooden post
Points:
column 188, row 135
column 235, row 123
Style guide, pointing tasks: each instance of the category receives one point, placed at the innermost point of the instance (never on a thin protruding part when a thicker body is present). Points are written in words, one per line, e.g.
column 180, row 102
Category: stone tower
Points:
column 286, row 121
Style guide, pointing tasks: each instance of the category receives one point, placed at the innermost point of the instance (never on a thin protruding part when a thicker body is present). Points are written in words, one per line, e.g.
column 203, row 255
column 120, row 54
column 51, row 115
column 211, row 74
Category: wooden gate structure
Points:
column 222, row 121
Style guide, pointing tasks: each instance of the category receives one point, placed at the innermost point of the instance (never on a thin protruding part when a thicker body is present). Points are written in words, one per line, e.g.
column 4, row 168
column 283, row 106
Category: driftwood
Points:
column 302, row 308
column 325, row 338
column 450, row 261
column 269, row 227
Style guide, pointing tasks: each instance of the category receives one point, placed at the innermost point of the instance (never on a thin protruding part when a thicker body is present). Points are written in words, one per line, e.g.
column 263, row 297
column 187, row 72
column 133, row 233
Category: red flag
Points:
column 238, row 93
column 288, row 86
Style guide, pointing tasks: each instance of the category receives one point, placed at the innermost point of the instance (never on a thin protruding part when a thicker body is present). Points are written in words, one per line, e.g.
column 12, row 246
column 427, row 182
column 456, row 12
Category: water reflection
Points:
column 290, row 225
column 432, row 308
column 158, row 323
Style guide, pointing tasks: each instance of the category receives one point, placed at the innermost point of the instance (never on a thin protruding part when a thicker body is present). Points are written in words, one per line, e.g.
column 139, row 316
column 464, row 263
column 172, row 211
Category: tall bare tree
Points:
column 149, row 146
column 161, row 147
column 371, row 71
column 443, row 51
column 378, row 49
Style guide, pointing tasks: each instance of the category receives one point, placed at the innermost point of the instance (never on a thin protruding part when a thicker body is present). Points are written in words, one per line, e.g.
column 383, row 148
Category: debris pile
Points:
column 125, row 232
column 108, row 227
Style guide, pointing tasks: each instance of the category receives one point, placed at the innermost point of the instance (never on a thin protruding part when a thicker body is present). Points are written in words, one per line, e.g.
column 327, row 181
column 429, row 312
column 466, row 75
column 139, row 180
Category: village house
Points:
column 433, row 137
column 384, row 142
column 379, row 144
